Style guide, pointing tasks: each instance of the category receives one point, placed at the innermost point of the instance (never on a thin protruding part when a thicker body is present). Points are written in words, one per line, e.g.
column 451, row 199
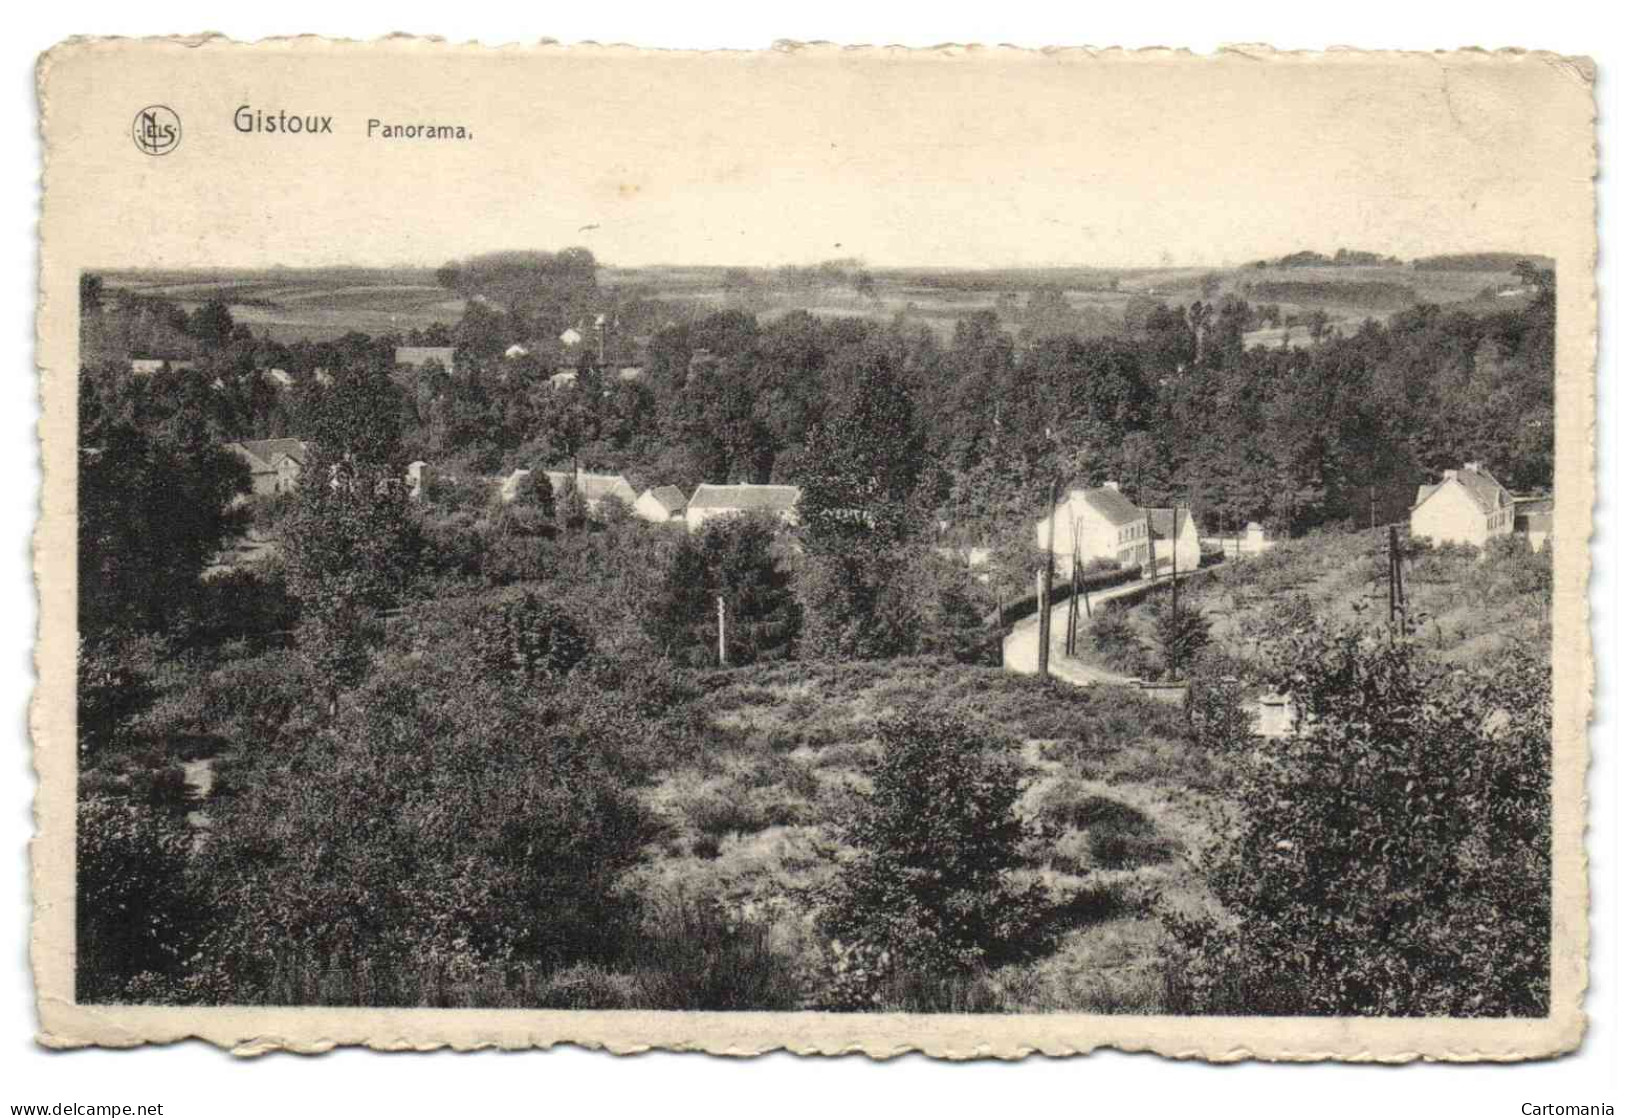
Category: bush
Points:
column 1181, row 634
column 1114, row 638
column 137, row 918
column 734, row 558
column 527, row 636
column 443, row 823
column 112, row 690
column 929, row 886
column 1396, row 849
column 1216, row 710
column 1068, row 803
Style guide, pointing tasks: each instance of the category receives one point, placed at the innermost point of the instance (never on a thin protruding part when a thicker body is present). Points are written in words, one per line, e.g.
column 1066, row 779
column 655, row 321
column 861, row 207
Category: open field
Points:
column 313, row 304
column 321, row 304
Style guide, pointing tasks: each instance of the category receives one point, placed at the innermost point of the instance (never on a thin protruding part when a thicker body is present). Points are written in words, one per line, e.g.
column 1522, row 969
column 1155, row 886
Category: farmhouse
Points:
column 1177, row 544
column 1093, row 524
column 420, row 356
column 1249, row 541
column 661, row 505
column 1468, row 506
column 146, row 366
column 274, row 463
column 712, row 501
column 594, row 488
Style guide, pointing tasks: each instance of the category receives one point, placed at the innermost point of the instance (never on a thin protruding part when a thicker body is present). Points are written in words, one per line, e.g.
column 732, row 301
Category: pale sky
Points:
column 950, row 160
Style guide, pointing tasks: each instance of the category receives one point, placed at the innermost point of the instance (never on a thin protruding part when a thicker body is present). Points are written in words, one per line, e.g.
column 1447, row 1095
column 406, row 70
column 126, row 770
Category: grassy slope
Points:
column 1125, row 796
column 1466, row 609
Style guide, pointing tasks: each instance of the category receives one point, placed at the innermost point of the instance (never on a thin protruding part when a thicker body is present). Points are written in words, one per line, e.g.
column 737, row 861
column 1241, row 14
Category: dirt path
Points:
column 1021, row 646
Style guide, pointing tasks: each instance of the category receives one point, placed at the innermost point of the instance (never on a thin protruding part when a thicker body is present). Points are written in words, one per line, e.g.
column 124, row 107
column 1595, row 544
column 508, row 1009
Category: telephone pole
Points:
column 1044, row 581
column 722, row 631
column 1175, row 605
column 1396, row 578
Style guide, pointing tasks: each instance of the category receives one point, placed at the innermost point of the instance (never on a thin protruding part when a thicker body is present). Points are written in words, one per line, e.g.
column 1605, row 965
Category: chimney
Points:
column 1473, row 466
column 1450, row 475
column 1112, row 485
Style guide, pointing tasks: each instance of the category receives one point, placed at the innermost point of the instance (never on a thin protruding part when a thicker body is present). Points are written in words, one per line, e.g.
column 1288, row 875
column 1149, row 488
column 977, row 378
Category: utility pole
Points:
column 1151, row 547
column 722, row 631
column 1175, row 607
column 1396, row 578
column 1044, row 581
column 1043, row 623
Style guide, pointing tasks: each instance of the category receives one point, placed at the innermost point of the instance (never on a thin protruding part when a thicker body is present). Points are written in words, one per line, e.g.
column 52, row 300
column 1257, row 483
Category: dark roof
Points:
column 670, row 497
column 264, row 452
column 1111, row 504
column 1487, row 493
column 1163, row 522
column 775, row 498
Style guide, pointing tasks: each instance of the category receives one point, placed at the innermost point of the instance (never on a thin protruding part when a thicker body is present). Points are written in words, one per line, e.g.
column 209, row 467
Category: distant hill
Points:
column 1480, row 261
column 1343, row 258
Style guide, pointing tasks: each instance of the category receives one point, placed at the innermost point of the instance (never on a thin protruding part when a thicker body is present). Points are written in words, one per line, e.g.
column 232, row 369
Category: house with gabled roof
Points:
column 594, row 488
column 662, row 504
column 712, row 501
column 1095, row 523
column 275, row 464
column 1176, row 542
column 420, row 356
column 1467, row 506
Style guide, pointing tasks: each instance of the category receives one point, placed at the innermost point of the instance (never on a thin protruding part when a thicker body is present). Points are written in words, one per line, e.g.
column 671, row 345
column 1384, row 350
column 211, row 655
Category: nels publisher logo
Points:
column 157, row 130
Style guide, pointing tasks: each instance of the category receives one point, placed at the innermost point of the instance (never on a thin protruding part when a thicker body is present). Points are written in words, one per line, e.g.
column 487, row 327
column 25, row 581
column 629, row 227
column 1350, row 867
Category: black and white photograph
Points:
column 1032, row 543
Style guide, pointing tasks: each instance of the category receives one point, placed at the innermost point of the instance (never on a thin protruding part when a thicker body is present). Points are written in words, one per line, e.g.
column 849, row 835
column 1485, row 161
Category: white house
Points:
column 1467, row 506
column 1249, row 541
column 663, row 504
column 275, row 464
column 593, row 487
column 712, row 501
column 514, row 351
column 571, row 336
column 1177, row 545
column 279, row 377
column 1095, row 524
column 419, row 356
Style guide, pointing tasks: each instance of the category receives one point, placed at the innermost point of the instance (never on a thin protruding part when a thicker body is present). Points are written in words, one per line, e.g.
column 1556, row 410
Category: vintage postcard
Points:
column 972, row 551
